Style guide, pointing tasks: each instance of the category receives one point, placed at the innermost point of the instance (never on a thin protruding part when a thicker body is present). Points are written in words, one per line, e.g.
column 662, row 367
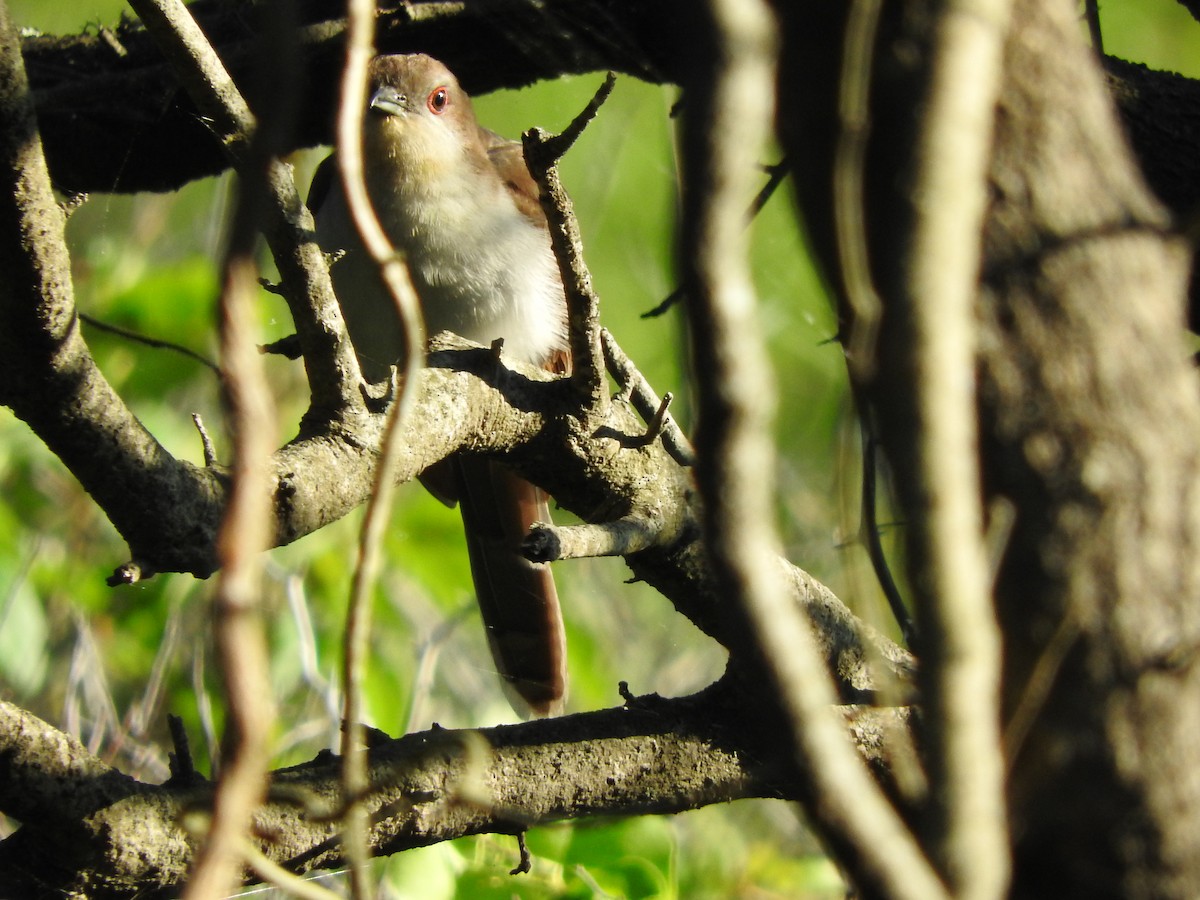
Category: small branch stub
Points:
column 210, row 451
column 628, row 534
column 526, row 860
column 655, row 412
column 130, row 573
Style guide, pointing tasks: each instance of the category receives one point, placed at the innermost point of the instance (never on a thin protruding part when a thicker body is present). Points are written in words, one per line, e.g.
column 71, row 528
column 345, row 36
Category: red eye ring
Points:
column 438, row 100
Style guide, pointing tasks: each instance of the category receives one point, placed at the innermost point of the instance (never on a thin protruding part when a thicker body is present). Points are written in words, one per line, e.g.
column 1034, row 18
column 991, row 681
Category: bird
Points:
column 457, row 200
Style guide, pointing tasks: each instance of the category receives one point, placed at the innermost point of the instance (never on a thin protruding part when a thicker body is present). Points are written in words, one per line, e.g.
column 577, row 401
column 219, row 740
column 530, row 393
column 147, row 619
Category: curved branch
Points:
column 729, row 104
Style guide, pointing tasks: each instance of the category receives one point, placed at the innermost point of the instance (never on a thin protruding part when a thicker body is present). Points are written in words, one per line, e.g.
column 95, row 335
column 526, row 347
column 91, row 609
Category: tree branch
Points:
column 542, row 155
column 960, row 639
column 651, row 756
column 332, row 367
column 83, row 88
column 725, row 124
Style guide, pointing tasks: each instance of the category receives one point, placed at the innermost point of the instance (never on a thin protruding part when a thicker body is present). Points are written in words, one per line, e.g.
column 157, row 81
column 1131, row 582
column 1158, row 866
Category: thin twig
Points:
column 183, row 768
column 360, row 47
column 552, row 148
column 665, row 304
column 526, row 861
column 654, row 428
column 960, row 637
column 869, row 530
column 775, row 176
column 148, row 341
column 206, row 444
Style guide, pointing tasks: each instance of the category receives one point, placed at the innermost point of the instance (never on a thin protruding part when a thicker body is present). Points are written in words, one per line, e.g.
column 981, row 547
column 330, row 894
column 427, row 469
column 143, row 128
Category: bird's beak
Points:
column 388, row 101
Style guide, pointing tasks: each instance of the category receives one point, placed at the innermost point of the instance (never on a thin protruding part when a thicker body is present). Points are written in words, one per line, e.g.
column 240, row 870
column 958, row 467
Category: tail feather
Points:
column 517, row 598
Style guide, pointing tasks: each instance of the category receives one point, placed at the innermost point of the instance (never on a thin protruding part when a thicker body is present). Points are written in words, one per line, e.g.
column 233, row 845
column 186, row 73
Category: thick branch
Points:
column 159, row 142
column 652, row 756
column 47, row 375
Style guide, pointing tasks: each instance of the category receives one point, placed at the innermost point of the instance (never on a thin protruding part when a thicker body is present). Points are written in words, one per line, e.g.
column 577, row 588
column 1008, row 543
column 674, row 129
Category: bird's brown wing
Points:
column 508, row 159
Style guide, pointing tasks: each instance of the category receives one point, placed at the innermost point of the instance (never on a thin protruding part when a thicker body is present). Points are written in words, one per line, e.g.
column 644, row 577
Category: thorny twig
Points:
column 775, row 175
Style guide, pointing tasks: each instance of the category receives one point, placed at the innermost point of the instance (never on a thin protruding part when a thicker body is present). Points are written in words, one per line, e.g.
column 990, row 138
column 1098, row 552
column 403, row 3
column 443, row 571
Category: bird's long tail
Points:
column 517, row 598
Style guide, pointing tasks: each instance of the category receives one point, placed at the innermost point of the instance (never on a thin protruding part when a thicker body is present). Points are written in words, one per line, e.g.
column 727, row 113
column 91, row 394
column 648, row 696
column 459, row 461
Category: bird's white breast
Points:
column 480, row 267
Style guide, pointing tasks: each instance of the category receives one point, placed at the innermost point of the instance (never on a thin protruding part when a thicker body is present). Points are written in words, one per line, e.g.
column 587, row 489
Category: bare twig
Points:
column 183, row 768
column 644, row 400
column 775, row 175
column 550, row 148
column 206, row 443
column 355, row 781
column 542, row 153
column 727, row 120
column 665, row 304
column 148, row 341
column 960, row 638
column 525, row 863
column 869, row 528
column 657, row 423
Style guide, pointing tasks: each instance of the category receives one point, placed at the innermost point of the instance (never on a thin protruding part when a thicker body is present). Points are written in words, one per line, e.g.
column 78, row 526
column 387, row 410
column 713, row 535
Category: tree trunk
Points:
column 1089, row 418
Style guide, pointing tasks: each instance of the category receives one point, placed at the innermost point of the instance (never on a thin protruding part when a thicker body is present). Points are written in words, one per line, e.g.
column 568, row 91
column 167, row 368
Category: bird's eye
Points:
column 438, row 100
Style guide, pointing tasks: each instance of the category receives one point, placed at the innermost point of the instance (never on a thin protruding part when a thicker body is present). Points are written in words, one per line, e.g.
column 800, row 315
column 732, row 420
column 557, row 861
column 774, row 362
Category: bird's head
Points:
column 418, row 114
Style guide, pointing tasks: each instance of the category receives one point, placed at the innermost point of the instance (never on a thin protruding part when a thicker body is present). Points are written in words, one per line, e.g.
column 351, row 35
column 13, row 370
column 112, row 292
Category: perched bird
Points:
column 459, row 203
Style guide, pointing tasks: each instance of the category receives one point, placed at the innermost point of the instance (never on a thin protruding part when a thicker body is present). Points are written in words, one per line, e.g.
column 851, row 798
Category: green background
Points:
column 108, row 664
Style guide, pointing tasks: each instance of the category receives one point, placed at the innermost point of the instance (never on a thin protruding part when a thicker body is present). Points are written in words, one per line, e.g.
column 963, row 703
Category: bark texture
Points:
column 1089, row 420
